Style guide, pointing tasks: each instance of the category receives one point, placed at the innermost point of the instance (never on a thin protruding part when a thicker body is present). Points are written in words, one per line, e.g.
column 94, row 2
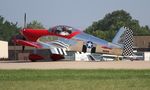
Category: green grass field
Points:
column 74, row 79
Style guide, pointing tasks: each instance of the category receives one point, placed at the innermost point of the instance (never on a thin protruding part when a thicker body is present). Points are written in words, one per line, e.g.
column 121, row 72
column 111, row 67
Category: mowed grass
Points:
column 74, row 79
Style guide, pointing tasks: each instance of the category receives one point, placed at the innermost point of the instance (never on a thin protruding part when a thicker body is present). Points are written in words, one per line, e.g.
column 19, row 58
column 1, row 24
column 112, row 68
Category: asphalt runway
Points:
column 75, row 65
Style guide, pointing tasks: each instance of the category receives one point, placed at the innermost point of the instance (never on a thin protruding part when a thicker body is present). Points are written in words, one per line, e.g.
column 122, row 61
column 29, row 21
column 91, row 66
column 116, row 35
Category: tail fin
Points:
column 128, row 43
column 124, row 38
column 118, row 39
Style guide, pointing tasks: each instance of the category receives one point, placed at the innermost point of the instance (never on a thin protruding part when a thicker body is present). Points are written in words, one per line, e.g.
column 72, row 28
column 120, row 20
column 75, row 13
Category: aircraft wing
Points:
column 58, row 46
column 28, row 43
column 60, row 43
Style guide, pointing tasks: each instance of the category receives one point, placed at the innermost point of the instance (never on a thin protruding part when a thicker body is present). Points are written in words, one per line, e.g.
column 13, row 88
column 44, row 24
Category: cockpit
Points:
column 62, row 30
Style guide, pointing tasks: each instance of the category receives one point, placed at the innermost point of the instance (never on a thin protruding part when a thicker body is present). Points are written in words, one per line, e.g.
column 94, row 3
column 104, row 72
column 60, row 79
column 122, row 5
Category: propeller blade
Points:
column 25, row 18
column 23, row 47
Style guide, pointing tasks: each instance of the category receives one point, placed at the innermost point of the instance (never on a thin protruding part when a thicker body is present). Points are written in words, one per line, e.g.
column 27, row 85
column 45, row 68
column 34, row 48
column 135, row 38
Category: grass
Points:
column 74, row 79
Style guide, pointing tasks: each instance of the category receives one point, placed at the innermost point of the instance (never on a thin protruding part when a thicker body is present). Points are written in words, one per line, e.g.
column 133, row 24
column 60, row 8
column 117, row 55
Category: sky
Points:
column 76, row 13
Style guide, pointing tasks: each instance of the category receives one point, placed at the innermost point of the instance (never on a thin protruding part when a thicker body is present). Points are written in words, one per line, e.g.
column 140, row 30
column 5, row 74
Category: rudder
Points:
column 128, row 43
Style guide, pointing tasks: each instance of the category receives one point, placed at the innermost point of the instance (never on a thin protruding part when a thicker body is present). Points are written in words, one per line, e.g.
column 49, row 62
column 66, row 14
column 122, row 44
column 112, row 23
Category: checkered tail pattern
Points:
column 128, row 43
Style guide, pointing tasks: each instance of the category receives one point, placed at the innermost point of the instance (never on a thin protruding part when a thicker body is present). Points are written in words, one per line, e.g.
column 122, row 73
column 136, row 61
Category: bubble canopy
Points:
column 62, row 30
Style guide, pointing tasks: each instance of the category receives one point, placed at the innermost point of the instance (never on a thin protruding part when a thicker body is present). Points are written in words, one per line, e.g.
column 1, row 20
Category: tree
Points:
column 109, row 25
column 7, row 29
column 35, row 25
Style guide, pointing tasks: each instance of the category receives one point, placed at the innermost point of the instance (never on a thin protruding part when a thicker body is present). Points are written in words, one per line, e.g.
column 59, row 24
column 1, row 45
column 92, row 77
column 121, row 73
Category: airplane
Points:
column 66, row 36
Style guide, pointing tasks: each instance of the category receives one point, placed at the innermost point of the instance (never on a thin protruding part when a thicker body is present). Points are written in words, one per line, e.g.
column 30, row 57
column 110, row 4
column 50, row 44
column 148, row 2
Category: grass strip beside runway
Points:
column 74, row 79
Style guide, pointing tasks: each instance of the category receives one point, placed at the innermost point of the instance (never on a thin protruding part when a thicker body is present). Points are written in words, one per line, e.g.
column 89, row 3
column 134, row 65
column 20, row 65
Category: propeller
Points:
column 19, row 36
column 25, row 19
column 25, row 26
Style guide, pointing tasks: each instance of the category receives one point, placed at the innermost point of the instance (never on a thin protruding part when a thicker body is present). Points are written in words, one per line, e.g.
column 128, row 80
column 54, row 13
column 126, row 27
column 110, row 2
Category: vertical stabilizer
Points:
column 118, row 39
column 128, row 43
column 124, row 38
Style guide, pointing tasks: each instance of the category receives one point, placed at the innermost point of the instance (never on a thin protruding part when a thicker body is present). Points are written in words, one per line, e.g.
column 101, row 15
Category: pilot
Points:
column 64, row 31
column 70, row 30
column 58, row 30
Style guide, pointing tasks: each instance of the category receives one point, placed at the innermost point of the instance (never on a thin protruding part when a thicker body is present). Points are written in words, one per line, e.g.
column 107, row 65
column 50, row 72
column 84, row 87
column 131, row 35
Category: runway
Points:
column 75, row 65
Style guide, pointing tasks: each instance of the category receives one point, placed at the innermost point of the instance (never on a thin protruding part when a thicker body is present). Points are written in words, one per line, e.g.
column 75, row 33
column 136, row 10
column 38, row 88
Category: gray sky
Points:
column 77, row 13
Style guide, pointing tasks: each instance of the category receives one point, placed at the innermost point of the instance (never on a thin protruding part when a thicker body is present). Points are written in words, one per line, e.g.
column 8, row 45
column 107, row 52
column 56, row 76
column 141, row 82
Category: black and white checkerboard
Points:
column 128, row 43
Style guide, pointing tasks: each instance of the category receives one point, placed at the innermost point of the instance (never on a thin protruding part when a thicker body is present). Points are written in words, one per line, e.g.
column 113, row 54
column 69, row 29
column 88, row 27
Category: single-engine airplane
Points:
column 66, row 36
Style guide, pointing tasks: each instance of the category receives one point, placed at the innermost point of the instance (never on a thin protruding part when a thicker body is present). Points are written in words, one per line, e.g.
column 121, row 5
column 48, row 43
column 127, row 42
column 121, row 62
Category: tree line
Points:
column 9, row 29
column 107, row 27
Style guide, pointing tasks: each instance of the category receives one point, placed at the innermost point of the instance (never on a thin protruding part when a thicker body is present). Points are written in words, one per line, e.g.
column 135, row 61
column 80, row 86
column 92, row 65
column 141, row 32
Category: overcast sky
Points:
column 76, row 13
